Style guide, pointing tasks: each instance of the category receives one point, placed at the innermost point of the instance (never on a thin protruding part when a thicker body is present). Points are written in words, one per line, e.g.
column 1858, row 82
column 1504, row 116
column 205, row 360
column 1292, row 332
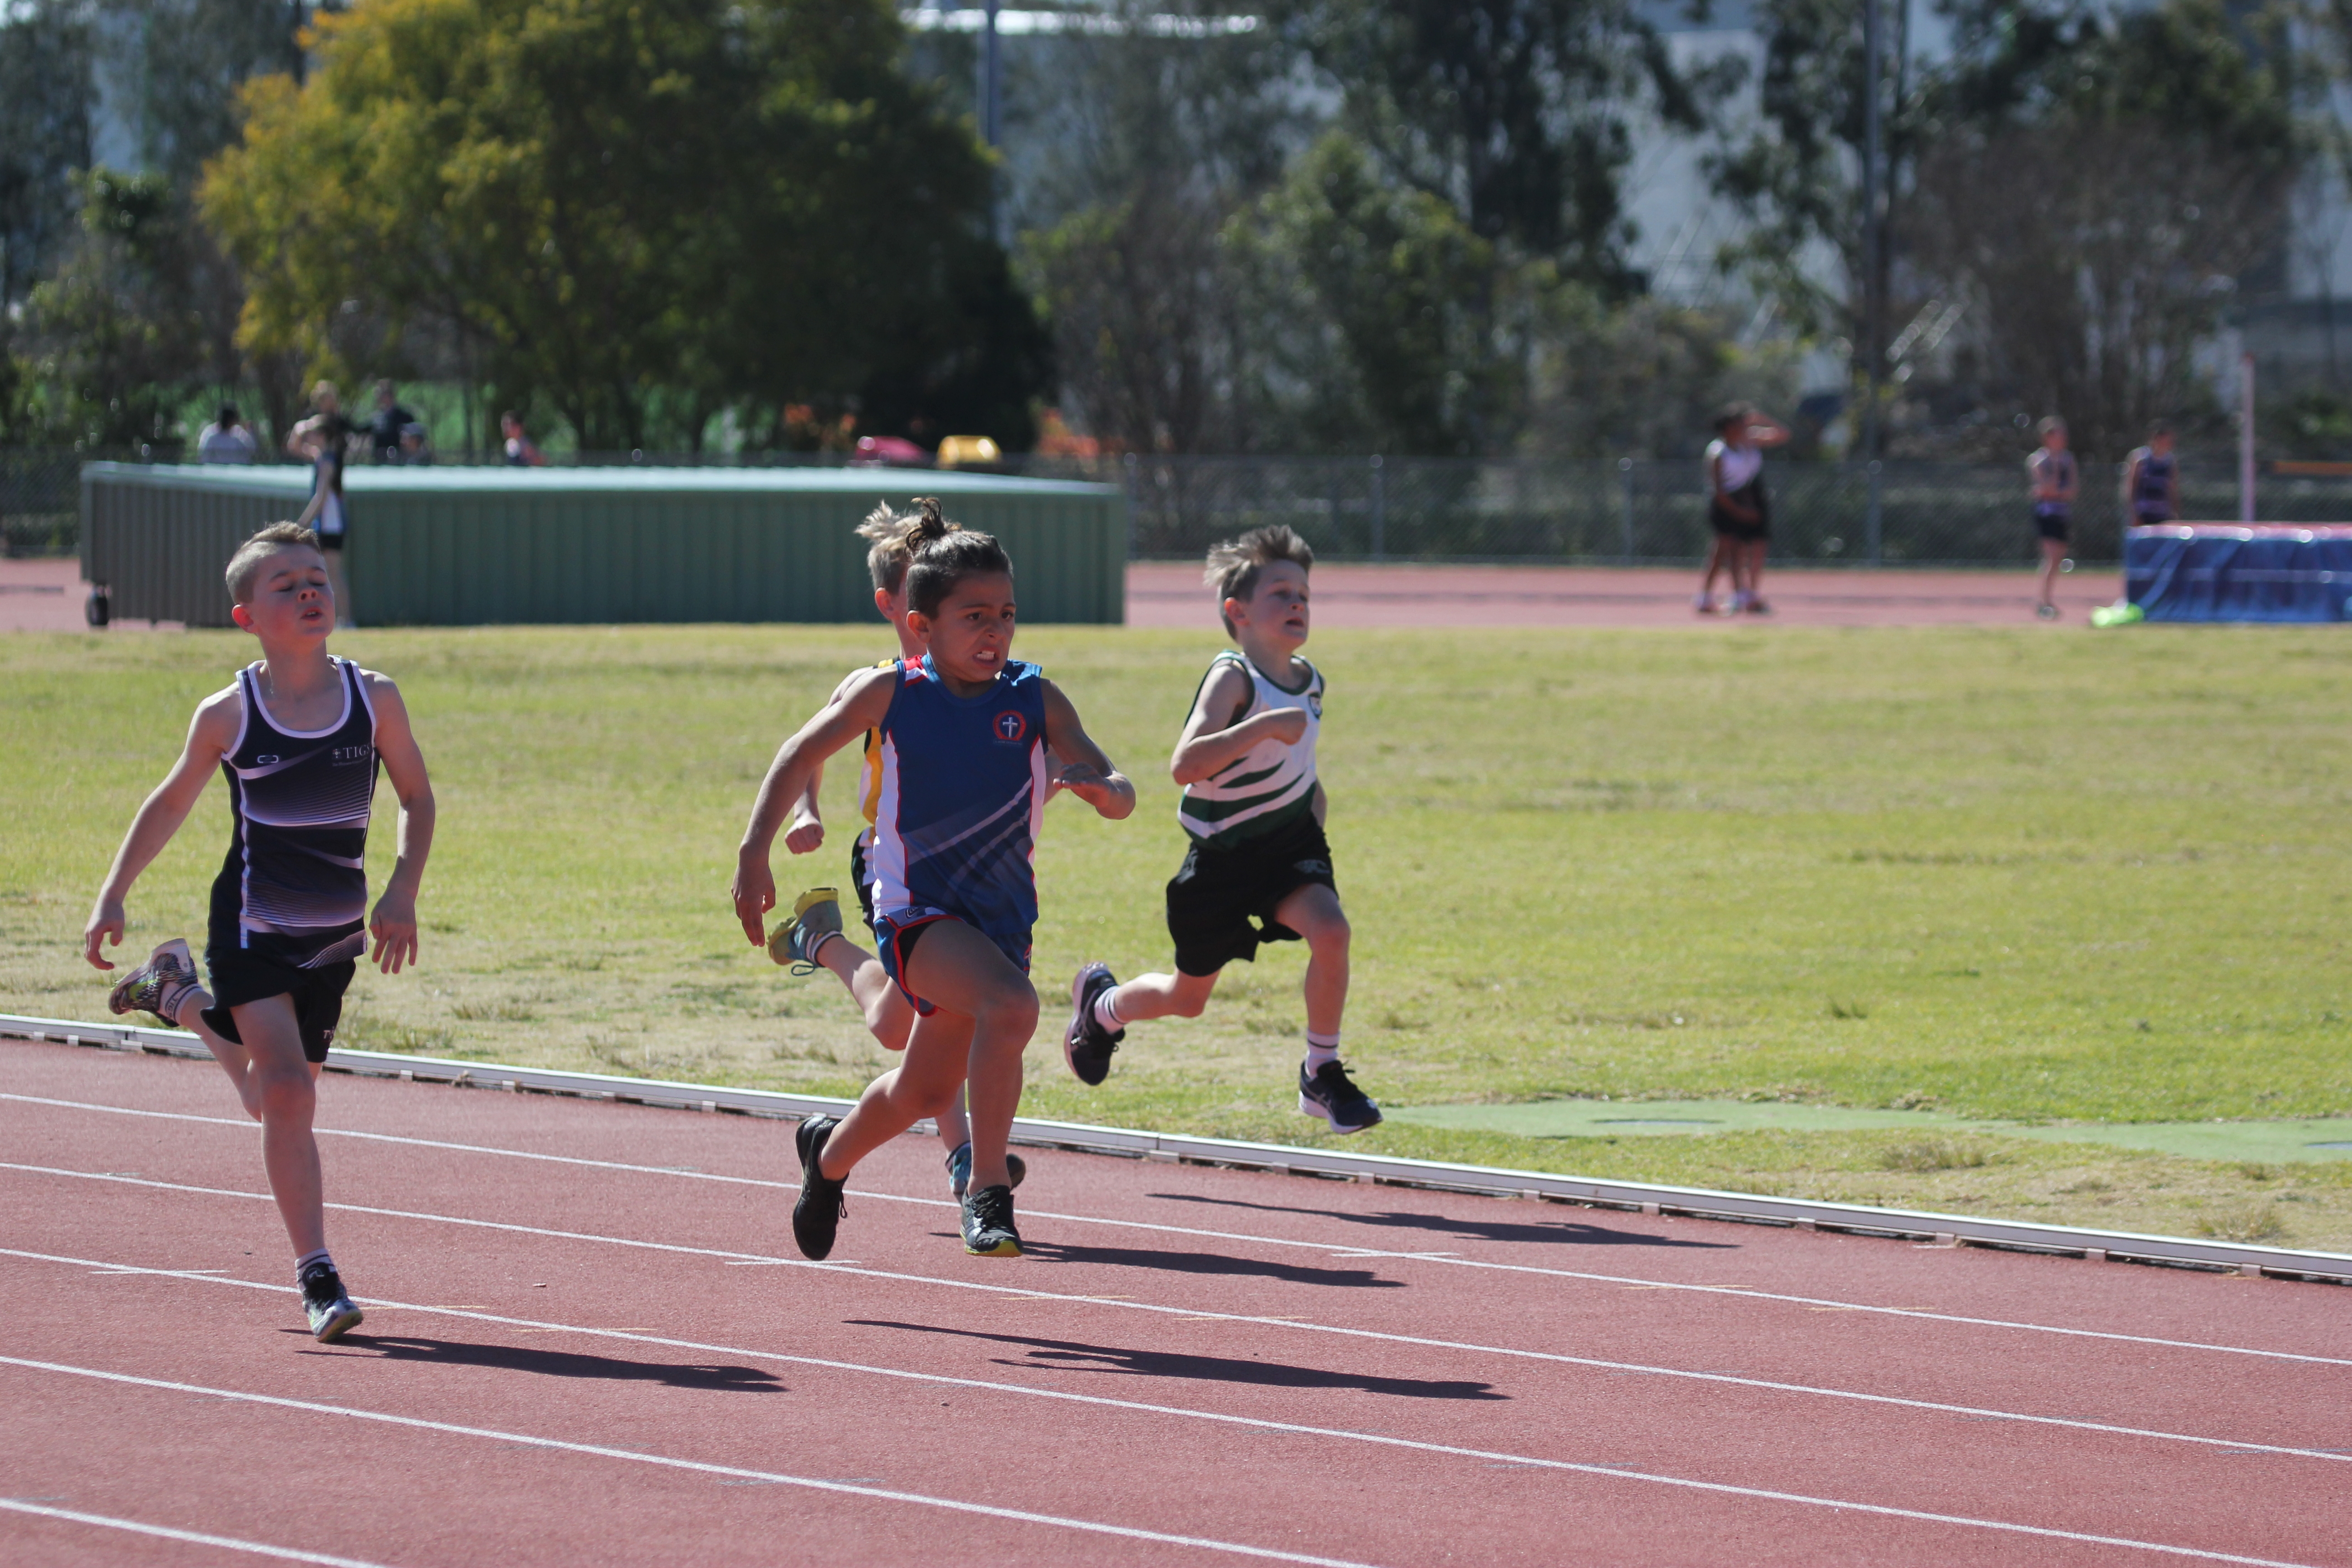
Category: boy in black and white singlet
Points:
column 299, row 736
column 1259, row 868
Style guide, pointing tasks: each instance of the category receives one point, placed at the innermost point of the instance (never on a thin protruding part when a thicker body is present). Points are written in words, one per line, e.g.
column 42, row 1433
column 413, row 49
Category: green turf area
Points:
column 2031, row 876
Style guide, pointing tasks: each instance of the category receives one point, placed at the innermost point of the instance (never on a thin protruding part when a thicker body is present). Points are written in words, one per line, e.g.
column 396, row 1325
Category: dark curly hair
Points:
column 942, row 554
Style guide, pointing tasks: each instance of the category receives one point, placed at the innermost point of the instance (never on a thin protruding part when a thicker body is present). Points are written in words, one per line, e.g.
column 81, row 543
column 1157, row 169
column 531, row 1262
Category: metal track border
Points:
column 1696, row 1203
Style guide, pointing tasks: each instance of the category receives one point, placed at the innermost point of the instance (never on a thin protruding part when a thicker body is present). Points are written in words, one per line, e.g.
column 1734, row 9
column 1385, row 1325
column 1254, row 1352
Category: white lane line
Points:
column 192, row 1537
column 1734, row 1291
column 1613, row 1471
column 1195, row 1315
column 598, row 1450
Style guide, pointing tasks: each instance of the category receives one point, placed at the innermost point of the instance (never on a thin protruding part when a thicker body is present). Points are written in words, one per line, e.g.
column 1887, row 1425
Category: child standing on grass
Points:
column 1254, row 807
column 299, row 736
column 961, row 734
column 811, row 937
column 2052, row 471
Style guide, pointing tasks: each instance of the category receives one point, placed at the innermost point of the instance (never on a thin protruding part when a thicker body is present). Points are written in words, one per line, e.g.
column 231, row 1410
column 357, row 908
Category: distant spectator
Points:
column 384, row 427
column 320, row 441
column 2055, row 479
column 1737, row 510
column 227, row 440
column 520, row 453
column 415, row 444
column 2152, row 479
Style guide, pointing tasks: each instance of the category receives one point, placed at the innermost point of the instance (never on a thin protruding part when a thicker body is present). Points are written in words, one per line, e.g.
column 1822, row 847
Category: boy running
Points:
column 811, row 936
column 298, row 736
column 962, row 734
column 1254, row 809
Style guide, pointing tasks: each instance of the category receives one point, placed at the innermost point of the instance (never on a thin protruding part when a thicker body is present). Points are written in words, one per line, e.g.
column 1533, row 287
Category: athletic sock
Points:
column 304, row 1263
column 1320, row 1049
column 817, row 953
column 1107, row 1011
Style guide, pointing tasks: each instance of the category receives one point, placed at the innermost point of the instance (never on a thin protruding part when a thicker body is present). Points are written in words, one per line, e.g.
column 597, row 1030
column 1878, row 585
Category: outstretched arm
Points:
column 210, row 735
column 394, row 923
column 859, row 706
column 1086, row 772
column 1216, row 734
column 806, row 834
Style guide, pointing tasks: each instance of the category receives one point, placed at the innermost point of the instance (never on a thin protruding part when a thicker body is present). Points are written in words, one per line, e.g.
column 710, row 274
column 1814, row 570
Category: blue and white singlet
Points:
column 961, row 796
column 294, row 888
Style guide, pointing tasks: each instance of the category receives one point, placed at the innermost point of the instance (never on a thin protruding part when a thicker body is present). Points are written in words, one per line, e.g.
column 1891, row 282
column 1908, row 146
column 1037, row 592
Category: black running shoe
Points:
column 1333, row 1096
column 823, row 1202
column 960, row 1169
column 1088, row 1046
column 988, row 1224
column 324, row 1298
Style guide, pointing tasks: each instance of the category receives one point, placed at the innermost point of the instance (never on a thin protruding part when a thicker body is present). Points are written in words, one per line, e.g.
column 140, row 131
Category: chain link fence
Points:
column 1630, row 511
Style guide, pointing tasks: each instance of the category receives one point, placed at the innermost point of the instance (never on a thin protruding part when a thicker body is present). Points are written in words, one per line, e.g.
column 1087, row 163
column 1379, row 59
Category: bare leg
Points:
column 955, row 1121
column 1164, row 996
column 233, row 1058
column 2053, row 551
column 889, row 1016
column 985, row 1002
column 1313, row 911
column 1717, row 561
column 343, row 594
column 286, row 1086
column 1751, row 554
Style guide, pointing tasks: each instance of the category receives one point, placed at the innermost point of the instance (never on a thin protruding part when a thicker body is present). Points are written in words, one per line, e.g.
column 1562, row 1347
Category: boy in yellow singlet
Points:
column 1259, row 868
column 811, row 937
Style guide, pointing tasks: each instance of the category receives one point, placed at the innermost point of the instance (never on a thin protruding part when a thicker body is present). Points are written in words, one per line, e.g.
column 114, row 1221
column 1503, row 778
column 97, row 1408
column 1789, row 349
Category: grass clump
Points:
column 2249, row 1220
column 1924, row 1154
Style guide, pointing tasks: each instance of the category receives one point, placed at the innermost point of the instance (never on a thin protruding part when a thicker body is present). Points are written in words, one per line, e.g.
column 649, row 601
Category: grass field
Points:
column 2031, row 875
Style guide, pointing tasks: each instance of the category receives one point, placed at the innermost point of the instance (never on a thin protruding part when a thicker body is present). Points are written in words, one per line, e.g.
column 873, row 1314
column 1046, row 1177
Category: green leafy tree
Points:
column 1518, row 112
column 116, row 341
column 635, row 212
column 47, row 96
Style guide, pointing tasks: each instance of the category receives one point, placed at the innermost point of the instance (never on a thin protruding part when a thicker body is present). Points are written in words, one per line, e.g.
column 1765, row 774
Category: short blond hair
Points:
column 245, row 564
column 891, row 555
column 1235, row 564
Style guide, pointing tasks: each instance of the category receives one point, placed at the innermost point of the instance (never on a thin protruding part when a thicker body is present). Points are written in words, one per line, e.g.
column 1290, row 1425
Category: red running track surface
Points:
column 589, row 1339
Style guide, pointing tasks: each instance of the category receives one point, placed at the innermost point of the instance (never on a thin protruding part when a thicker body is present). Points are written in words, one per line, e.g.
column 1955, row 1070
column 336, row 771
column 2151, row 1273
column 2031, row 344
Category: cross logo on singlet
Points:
column 1011, row 726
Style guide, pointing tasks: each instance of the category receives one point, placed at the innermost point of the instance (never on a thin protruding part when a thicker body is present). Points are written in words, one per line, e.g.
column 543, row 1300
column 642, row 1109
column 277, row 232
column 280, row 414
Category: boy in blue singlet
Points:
column 298, row 737
column 811, row 936
column 961, row 738
column 1254, row 806
column 2152, row 479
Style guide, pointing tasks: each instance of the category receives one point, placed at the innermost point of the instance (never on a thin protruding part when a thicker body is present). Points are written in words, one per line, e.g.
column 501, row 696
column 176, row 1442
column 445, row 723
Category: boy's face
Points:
column 2055, row 439
column 969, row 636
column 291, row 600
column 2161, row 445
column 1276, row 611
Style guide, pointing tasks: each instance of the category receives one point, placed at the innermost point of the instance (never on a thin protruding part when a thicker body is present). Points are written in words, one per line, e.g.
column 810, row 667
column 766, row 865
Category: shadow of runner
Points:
column 1072, row 1355
column 1206, row 1263
column 559, row 1363
column 1558, row 1233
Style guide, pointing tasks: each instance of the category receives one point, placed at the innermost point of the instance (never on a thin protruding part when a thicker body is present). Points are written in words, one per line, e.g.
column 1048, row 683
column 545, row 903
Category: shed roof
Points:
column 294, row 479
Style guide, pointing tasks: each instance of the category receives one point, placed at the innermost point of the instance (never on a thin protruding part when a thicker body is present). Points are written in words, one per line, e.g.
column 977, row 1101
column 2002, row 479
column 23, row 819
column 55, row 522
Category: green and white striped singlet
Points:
column 1267, row 787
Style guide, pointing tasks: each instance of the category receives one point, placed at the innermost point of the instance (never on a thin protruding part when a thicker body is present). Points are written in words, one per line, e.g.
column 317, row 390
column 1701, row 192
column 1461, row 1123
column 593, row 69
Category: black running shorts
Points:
column 2050, row 522
column 858, row 876
column 1217, row 894
column 239, row 977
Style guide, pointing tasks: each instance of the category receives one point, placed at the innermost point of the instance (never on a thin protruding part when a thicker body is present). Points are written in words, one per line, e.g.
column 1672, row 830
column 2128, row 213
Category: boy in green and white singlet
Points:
column 1259, row 868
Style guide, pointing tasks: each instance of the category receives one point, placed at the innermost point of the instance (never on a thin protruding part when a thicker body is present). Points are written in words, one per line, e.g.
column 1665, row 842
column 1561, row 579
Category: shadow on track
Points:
column 1072, row 1355
column 1212, row 1263
column 1557, row 1233
column 560, row 1363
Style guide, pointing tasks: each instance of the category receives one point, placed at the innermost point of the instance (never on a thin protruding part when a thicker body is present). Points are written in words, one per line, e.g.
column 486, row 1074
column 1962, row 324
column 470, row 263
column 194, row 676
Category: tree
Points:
column 1516, row 111
column 48, row 96
column 115, row 336
column 638, row 211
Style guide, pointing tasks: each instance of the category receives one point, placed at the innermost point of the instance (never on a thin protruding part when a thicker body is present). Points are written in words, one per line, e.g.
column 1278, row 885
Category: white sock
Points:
column 308, row 1258
column 1107, row 1011
column 1320, row 1049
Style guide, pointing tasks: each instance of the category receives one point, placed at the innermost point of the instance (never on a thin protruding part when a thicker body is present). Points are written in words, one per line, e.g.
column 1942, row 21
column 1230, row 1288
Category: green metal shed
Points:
column 478, row 546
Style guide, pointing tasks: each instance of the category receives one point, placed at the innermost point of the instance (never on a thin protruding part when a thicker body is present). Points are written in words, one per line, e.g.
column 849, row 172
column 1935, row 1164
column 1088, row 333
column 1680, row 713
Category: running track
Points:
column 589, row 1341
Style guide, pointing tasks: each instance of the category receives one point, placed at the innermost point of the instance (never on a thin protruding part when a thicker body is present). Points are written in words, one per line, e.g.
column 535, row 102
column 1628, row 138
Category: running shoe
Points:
column 817, row 915
column 1758, row 608
column 1702, row 604
column 960, row 1169
column 1088, row 1046
column 2047, row 611
column 823, row 1202
column 160, row 986
column 988, row 1224
column 330, row 1306
column 1330, row 1094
